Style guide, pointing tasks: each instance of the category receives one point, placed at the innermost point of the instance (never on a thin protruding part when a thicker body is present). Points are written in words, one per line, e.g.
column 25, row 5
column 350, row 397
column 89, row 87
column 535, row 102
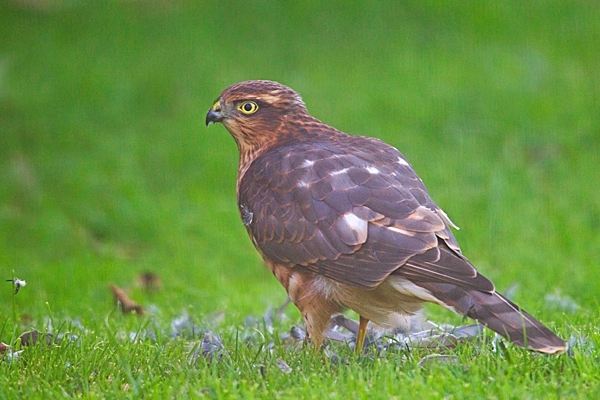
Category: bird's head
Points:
column 255, row 112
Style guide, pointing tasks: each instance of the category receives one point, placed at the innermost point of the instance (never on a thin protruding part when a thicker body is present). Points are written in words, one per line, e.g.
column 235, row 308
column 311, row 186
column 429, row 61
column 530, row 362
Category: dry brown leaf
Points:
column 3, row 347
column 127, row 305
column 149, row 281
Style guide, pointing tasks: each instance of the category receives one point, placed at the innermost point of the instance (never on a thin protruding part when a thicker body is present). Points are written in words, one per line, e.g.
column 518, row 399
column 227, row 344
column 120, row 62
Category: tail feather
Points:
column 500, row 315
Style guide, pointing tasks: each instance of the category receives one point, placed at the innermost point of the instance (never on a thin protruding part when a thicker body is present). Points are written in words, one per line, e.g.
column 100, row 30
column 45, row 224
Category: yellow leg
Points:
column 316, row 349
column 360, row 336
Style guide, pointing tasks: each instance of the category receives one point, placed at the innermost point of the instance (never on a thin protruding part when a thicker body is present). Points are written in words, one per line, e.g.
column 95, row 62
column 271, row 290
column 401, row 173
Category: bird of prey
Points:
column 344, row 222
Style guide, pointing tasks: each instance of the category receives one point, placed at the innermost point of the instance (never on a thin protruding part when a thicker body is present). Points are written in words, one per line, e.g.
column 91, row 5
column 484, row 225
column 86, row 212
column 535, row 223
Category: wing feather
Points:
column 355, row 216
column 445, row 266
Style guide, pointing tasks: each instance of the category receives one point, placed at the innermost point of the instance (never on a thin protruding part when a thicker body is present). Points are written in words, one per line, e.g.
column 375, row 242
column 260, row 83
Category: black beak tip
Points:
column 212, row 117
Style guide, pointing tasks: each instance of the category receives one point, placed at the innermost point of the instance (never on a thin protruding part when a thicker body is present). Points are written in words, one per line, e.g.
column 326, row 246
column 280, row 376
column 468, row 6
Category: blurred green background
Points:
column 107, row 169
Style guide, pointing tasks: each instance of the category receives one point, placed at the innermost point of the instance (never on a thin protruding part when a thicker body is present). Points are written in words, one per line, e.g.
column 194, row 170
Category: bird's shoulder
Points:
column 330, row 158
column 344, row 178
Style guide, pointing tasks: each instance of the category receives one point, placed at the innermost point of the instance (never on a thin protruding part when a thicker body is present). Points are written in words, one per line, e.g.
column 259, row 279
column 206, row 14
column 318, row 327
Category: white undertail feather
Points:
column 410, row 289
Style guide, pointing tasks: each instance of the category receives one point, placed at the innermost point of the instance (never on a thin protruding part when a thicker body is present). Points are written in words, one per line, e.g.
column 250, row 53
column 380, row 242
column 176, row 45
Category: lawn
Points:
column 107, row 172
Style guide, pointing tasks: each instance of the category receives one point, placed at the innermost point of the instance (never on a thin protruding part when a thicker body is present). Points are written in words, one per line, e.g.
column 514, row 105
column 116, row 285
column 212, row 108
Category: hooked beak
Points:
column 214, row 114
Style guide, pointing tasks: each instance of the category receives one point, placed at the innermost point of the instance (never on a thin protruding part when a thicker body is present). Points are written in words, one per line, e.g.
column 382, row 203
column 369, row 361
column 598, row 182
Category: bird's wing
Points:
column 354, row 212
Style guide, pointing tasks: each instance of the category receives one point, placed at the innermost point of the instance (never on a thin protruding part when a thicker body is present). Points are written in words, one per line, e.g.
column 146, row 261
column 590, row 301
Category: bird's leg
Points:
column 316, row 349
column 316, row 344
column 360, row 335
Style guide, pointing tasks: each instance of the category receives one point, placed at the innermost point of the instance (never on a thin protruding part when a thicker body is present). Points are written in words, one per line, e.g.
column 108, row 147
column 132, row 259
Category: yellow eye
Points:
column 248, row 107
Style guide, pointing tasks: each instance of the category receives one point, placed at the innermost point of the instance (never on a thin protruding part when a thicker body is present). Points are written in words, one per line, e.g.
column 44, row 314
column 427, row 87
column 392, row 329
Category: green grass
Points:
column 107, row 170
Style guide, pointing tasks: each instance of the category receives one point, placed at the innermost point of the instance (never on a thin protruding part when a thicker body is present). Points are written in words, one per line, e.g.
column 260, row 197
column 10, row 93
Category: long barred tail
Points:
column 500, row 315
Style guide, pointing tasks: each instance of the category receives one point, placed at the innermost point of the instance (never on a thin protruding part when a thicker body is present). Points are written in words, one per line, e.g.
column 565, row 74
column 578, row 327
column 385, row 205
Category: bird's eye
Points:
column 248, row 107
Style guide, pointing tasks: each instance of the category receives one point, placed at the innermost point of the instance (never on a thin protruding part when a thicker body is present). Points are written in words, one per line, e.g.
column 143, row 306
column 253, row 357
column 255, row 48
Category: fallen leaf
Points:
column 127, row 305
column 4, row 347
column 149, row 282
